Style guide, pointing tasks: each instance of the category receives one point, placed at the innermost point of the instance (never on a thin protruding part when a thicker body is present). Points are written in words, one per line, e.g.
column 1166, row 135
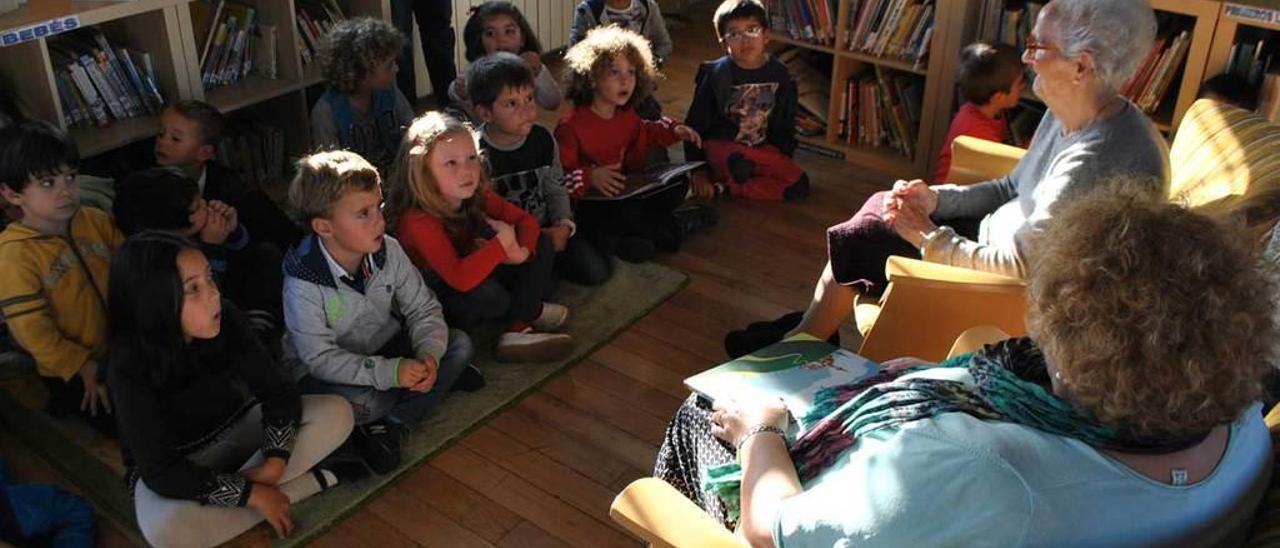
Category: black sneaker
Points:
column 695, row 217
column 379, row 445
column 470, row 380
column 344, row 463
column 740, row 168
column 798, row 190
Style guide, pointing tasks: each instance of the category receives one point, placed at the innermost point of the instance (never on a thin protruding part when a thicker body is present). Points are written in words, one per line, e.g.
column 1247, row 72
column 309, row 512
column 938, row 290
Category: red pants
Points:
column 774, row 171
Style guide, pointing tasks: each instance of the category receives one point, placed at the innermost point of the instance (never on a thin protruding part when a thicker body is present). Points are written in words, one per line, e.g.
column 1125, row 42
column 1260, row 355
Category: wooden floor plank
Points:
column 466, row 506
column 416, row 520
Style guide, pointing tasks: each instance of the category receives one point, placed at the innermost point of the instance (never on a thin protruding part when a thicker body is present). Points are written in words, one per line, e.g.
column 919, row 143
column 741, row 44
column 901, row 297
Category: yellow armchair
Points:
column 1225, row 161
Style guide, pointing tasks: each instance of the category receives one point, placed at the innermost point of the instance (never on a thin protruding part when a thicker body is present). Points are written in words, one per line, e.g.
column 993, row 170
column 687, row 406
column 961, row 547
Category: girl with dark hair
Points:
column 215, row 435
column 496, row 26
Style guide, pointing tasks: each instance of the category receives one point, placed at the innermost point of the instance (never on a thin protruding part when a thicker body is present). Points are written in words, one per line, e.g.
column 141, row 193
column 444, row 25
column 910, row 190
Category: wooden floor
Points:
column 543, row 472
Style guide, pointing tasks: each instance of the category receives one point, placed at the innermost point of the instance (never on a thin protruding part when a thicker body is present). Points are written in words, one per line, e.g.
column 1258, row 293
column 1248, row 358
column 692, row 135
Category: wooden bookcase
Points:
column 935, row 102
column 1234, row 21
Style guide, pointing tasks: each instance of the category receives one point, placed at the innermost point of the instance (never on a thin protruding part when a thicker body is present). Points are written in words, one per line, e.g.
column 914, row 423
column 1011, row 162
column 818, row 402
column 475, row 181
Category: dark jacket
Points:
column 713, row 94
column 264, row 220
column 162, row 420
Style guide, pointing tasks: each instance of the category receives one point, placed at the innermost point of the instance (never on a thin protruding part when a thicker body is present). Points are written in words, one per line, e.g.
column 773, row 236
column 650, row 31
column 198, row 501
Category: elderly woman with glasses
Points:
column 1129, row 417
column 1082, row 53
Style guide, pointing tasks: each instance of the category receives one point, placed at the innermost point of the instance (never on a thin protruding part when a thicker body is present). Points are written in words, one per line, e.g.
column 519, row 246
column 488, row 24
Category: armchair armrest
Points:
column 655, row 511
column 975, row 160
column 927, row 306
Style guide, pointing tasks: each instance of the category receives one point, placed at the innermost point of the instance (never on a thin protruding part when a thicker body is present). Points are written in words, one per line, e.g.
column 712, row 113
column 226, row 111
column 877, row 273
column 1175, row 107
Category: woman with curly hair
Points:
column 362, row 111
column 602, row 140
column 1129, row 417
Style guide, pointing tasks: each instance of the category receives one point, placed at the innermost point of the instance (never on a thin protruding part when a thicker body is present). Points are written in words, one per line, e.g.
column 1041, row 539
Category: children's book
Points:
column 654, row 178
column 794, row 369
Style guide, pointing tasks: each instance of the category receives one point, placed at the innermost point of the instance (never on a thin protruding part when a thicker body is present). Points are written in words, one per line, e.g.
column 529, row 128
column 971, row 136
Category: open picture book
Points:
column 653, row 179
column 794, row 369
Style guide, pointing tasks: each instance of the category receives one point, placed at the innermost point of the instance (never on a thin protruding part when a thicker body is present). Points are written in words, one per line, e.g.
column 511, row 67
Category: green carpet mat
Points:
column 597, row 315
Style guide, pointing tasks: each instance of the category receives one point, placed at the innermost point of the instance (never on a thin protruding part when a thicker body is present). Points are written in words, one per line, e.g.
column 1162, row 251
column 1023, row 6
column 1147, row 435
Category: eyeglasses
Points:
column 1034, row 44
column 751, row 33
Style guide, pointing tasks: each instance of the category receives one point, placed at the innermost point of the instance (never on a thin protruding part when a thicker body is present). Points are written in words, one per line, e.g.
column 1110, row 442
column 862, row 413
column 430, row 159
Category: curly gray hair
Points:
column 349, row 52
column 1117, row 33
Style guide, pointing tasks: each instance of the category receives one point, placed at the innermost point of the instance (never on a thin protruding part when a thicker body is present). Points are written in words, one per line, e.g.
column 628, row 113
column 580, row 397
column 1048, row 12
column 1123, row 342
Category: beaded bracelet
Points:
column 757, row 430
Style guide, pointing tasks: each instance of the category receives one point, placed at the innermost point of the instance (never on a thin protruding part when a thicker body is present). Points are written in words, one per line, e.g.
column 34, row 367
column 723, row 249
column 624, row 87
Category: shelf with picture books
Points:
column 1169, row 75
column 880, row 49
column 103, row 75
column 1247, row 43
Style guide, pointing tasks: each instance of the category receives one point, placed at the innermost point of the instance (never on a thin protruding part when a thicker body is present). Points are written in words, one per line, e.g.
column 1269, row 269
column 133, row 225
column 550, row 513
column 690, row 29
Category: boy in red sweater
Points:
column 602, row 140
column 991, row 81
column 488, row 259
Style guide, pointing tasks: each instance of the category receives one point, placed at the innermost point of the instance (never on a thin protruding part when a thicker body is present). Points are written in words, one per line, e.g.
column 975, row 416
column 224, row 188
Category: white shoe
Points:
column 552, row 318
column 531, row 346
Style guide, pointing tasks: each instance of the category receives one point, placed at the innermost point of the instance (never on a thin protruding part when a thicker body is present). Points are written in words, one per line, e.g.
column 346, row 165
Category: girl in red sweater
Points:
column 603, row 139
column 487, row 258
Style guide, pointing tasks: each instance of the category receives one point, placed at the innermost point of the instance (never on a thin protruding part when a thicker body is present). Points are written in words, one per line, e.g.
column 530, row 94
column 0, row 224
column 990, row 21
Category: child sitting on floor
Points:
column 361, row 322
column 213, row 432
column 53, row 269
column 167, row 199
column 496, row 26
column 524, row 164
column 602, row 140
column 991, row 80
column 362, row 111
column 489, row 258
column 189, row 136
column 745, row 107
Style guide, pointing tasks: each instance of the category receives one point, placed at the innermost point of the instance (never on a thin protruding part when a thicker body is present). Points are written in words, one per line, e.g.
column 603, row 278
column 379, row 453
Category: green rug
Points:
column 597, row 315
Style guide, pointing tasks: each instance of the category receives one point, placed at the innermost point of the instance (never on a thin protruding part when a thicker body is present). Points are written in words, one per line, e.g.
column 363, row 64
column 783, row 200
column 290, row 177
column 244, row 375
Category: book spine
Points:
column 97, row 104
column 104, row 89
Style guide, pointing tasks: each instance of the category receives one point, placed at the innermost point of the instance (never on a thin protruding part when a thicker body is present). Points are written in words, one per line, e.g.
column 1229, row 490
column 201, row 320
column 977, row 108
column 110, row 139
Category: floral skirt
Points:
column 688, row 450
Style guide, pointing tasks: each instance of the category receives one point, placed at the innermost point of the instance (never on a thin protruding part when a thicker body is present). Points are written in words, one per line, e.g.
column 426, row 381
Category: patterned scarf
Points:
column 1011, row 384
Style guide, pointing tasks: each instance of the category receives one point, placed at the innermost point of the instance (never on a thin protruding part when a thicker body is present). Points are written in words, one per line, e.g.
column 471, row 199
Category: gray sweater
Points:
column 335, row 331
column 589, row 13
column 1016, row 209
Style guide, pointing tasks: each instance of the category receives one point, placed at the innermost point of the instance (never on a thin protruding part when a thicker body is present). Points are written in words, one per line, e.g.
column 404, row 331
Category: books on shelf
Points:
column 1149, row 85
column 881, row 108
column 794, row 369
column 231, row 46
column 813, row 90
column 98, row 82
column 810, row 21
column 315, row 18
column 1250, row 60
column 256, row 150
column 894, row 29
column 1008, row 22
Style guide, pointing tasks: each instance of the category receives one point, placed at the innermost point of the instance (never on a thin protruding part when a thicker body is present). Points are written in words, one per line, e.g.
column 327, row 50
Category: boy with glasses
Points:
column 744, row 106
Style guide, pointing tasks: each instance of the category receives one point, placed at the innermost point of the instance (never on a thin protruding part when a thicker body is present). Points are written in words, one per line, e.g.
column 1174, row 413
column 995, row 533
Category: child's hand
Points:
column 609, row 180
column 559, row 235
column 429, row 379
column 274, row 506
column 534, row 61
column 269, row 472
column 95, row 393
column 505, row 233
column 233, row 217
column 460, row 85
column 702, row 186
column 217, row 226
column 687, row 133
column 410, row 373
column 518, row 255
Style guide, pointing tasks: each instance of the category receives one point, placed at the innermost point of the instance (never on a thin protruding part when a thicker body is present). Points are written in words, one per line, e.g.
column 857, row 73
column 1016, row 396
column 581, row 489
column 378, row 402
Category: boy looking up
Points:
column 55, row 259
column 744, row 106
column 189, row 134
column 361, row 322
column 524, row 161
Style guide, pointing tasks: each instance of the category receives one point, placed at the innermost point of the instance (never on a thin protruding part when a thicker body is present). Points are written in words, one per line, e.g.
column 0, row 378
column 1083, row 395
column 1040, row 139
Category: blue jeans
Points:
column 371, row 404
column 49, row 512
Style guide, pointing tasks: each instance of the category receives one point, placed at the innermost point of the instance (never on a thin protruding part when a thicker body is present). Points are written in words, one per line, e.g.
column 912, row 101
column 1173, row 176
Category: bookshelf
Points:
column 1197, row 18
column 1243, row 28
column 925, row 133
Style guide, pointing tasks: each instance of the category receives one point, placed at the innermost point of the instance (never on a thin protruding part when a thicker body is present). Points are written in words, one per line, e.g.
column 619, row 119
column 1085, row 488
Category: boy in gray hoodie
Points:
column 361, row 322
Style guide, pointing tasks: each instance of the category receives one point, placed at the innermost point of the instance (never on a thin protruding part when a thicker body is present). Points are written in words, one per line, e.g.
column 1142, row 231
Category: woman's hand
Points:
column 608, row 180
column 269, row 472
column 911, row 223
column 689, row 134
column 274, row 506
column 912, row 193
column 905, row 362
column 731, row 419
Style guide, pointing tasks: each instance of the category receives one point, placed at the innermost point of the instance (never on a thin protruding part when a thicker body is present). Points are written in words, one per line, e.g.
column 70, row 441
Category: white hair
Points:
column 1117, row 33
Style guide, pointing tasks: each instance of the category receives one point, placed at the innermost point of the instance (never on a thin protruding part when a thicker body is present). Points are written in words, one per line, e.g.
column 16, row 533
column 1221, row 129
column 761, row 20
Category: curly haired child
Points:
column 603, row 139
column 488, row 258
column 496, row 26
column 362, row 111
